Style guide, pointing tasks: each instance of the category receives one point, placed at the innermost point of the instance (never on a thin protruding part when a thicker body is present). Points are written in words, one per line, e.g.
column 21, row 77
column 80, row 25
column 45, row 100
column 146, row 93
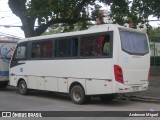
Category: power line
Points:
column 8, row 26
column 6, row 11
column 15, row 23
column 153, row 20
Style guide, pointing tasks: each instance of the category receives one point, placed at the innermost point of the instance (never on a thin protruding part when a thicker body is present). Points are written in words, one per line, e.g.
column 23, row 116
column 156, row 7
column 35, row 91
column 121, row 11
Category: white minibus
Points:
column 7, row 48
column 103, row 61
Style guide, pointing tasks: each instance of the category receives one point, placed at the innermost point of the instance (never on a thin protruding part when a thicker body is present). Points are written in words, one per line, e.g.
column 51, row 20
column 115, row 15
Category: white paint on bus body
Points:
column 123, row 72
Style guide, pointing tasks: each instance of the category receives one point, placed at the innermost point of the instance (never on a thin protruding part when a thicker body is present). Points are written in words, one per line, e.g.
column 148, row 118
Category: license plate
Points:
column 135, row 88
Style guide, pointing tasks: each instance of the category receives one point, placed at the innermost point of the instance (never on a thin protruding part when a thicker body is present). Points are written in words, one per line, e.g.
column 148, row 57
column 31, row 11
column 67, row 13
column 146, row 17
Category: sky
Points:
column 8, row 18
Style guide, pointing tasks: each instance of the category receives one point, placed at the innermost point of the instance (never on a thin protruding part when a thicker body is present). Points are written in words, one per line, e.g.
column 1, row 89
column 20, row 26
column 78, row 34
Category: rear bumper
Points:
column 121, row 88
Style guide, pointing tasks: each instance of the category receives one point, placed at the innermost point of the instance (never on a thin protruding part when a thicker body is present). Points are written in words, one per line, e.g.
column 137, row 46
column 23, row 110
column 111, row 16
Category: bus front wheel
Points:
column 77, row 94
column 22, row 87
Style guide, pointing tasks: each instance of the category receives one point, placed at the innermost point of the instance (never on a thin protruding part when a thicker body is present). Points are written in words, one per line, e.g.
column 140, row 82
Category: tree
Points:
column 49, row 12
column 128, row 11
column 69, row 12
column 133, row 11
column 154, row 32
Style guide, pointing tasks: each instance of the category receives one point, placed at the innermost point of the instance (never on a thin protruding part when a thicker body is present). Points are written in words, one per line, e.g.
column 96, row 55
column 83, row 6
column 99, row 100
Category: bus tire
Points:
column 22, row 87
column 77, row 94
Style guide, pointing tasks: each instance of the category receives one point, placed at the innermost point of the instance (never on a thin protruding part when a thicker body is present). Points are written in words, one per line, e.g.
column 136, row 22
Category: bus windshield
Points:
column 134, row 43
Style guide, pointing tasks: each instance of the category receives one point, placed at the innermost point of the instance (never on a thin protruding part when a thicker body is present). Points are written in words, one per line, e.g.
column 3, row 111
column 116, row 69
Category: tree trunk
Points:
column 28, row 27
column 19, row 9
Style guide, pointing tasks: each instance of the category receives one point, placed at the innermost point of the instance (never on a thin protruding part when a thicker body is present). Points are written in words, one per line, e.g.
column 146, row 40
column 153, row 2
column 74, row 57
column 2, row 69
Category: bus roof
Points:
column 8, row 41
column 93, row 29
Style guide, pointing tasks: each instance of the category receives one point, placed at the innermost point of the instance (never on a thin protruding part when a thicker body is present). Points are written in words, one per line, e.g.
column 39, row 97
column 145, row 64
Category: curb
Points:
column 138, row 98
column 144, row 99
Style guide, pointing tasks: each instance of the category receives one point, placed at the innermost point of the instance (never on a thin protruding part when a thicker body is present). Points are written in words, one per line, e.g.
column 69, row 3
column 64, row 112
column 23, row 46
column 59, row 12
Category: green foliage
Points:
column 154, row 32
column 127, row 11
column 75, row 12
column 61, row 28
column 50, row 12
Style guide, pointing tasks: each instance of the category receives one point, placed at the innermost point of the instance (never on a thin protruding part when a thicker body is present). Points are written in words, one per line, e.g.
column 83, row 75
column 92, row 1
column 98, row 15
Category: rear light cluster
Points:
column 118, row 73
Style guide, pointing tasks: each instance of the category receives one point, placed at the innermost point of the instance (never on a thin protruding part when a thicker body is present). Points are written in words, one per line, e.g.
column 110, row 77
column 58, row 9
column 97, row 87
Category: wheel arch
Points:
column 74, row 84
column 19, row 80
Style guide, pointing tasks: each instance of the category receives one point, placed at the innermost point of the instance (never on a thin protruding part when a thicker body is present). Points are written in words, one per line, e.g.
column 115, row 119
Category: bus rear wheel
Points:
column 77, row 94
column 22, row 87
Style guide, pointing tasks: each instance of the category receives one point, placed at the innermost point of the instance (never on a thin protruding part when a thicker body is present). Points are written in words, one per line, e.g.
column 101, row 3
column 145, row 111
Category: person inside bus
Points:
column 99, row 45
column 106, row 45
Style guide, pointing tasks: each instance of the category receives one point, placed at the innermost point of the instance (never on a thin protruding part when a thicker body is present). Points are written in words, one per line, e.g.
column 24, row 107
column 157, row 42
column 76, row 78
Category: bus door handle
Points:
column 12, row 74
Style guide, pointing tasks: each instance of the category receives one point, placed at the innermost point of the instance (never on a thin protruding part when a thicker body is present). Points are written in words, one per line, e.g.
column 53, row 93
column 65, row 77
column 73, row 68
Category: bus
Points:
column 7, row 48
column 103, row 61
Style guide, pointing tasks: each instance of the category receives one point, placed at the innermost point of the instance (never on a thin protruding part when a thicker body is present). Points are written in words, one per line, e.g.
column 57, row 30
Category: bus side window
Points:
column 20, row 52
column 42, row 49
column 90, row 46
column 66, row 47
column 95, row 45
column 85, row 47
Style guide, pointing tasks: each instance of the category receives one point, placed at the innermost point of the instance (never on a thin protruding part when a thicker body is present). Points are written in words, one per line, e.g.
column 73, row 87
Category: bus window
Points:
column 66, row 47
column 134, row 43
column 97, row 45
column 42, row 49
column 20, row 52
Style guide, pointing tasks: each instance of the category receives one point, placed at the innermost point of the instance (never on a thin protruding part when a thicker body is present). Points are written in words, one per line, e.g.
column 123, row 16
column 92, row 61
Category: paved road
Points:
column 10, row 100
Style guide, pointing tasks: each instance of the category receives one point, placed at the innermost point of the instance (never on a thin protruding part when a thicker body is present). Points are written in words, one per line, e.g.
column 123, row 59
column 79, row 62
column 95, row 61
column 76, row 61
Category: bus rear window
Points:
column 134, row 43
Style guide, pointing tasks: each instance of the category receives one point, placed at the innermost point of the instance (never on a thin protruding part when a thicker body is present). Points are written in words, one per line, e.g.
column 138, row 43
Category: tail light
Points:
column 118, row 73
column 149, row 75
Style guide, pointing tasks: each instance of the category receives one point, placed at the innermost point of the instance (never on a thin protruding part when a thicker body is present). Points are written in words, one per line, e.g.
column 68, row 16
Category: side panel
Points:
column 62, row 73
column 41, row 83
column 51, row 84
column 32, row 82
column 98, row 86
column 17, row 73
column 63, row 85
column 13, row 80
column 6, row 51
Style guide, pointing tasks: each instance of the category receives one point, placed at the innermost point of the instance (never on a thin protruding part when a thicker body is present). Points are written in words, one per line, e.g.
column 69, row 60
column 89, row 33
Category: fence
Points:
column 155, row 55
